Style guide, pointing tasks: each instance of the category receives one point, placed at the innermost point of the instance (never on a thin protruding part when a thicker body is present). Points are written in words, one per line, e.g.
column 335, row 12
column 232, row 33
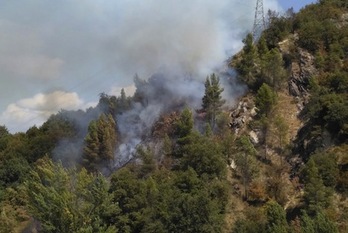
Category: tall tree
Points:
column 273, row 69
column 316, row 195
column 246, row 162
column 184, row 125
column 247, row 67
column 265, row 100
column 212, row 99
column 100, row 142
column 276, row 219
column 281, row 131
column 64, row 200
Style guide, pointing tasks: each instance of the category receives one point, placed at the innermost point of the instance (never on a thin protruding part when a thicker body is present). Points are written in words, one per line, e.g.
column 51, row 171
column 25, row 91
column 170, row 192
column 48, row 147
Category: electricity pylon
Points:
column 259, row 21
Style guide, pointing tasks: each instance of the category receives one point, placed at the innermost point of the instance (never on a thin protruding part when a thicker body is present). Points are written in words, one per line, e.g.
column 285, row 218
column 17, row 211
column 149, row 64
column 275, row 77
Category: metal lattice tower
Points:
column 259, row 21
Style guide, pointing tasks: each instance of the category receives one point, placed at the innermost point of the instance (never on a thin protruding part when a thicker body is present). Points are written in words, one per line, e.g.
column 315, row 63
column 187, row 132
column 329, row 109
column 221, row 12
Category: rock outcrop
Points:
column 301, row 73
column 242, row 115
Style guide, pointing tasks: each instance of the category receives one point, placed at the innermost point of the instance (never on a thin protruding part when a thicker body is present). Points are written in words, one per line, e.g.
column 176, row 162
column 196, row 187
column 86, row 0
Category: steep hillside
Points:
column 297, row 75
column 177, row 157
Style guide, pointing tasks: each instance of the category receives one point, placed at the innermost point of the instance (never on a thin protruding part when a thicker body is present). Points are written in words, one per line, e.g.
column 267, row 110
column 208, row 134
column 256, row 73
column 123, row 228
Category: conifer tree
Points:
column 246, row 162
column 184, row 124
column 273, row 71
column 100, row 142
column 276, row 219
column 265, row 100
column 212, row 99
column 316, row 195
column 248, row 65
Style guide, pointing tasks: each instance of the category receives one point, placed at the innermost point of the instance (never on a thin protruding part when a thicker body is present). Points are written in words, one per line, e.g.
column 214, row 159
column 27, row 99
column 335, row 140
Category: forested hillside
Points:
column 175, row 157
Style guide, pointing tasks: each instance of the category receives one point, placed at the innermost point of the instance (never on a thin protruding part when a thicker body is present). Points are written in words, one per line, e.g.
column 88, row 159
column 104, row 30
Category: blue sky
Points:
column 61, row 55
column 296, row 4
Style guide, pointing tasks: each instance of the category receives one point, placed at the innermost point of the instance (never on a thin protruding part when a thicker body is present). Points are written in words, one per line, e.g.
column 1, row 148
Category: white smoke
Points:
column 192, row 36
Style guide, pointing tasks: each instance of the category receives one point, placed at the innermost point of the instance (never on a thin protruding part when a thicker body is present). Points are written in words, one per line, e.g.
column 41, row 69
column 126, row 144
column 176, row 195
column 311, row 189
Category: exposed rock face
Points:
column 253, row 137
column 242, row 114
column 301, row 73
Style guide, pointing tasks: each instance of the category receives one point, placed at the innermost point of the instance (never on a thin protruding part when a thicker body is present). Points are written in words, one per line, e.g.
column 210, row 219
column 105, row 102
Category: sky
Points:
column 61, row 55
column 296, row 4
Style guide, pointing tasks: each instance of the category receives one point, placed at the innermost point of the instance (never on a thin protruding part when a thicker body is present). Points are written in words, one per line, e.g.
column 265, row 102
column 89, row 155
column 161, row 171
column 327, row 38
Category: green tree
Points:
column 204, row 156
column 316, row 195
column 107, row 104
column 276, row 218
column 4, row 136
column 148, row 162
column 123, row 102
column 129, row 193
column 319, row 224
column 327, row 168
column 265, row 100
column 212, row 100
column 324, row 225
column 247, row 66
column 100, row 143
column 262, row 47
column 273, row 71
column 198, row 206
column 246, row 162
column 184, row 124
column 64, row 200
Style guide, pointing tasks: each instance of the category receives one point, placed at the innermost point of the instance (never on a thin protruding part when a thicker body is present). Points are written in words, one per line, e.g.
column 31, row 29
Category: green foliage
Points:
column 212, row 100
column 114, row 105
column 64, row 200
column 204, row 156
column 184, row 125
column 273, row 72
column 4, row 135
column 255, row 221
column 276, row 218
column 281, row 131
column 246, row 226
column 100, row 142
column 318, row 224
column 246, row 163
column 247, row 66
column 168, row 202
column 316, row 195
column 338, row 82
column 317, row 28
column 329, row 111
column 265, row 100
column 327, row 168
column 148, row 162
column 13, row 170
column 263, row 62
column 279, row 27
column 107, row 104
column 130, row 194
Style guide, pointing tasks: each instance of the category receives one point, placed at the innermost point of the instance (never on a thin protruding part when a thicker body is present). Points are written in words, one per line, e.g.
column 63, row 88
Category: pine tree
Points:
column 248, row 65
column 92, row 144
column 316, row 195
column 276, row 219
column 100, row 142
column 123, row 101
column 184, row 124
column 212, row 99
column 265, row 100
column 273, row 68
column 246, row 162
